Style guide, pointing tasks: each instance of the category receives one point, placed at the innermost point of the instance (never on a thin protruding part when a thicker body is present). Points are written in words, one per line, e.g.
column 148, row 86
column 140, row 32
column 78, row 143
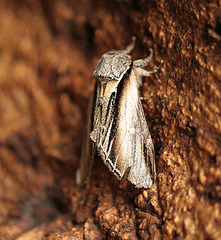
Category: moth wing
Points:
column 137, row 147
column 131, row 145
column 87, row 151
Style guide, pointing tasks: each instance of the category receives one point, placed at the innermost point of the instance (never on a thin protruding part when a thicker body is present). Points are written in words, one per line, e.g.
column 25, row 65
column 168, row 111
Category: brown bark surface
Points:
column 48, row 51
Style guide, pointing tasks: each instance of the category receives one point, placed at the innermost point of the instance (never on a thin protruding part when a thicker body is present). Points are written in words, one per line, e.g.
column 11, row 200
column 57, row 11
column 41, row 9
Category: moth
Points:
column 118, row 129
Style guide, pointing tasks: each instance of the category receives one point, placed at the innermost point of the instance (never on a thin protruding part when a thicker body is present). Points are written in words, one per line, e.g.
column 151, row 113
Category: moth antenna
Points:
column 130, row 47
column 144, row 62
column 144, row 73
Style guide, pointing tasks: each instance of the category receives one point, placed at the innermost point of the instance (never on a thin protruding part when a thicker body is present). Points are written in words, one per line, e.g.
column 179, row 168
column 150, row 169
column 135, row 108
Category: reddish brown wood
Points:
column 48, row 51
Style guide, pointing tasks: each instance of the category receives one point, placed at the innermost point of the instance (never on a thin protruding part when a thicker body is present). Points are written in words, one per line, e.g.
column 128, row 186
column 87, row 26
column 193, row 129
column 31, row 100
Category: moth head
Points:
column 113, row 65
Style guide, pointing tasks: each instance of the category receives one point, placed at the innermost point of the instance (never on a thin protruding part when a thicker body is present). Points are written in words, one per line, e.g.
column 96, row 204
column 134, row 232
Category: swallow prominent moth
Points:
column 118, row 129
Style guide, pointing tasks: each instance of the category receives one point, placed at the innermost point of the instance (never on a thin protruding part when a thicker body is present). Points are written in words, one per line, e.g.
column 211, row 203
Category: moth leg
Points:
column 146, row 98
column 130, row 47
column 93, row 135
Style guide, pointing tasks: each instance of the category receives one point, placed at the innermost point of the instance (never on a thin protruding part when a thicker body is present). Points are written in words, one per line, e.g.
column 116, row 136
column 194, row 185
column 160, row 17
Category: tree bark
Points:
column 49, row 50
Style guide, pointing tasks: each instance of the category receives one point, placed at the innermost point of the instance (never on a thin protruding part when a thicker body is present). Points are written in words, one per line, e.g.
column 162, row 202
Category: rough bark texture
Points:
column 48, row 51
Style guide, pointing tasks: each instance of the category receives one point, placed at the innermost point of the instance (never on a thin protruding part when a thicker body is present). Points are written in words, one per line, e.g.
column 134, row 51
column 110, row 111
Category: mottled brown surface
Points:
column 48, row 51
